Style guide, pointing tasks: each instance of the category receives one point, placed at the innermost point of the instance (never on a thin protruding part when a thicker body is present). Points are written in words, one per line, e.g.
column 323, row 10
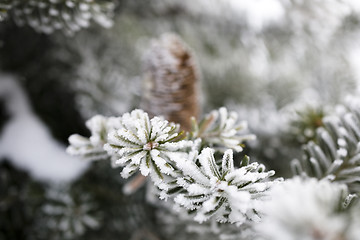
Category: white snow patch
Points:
column 259, row 12
column 353, row 4
column 28, row 144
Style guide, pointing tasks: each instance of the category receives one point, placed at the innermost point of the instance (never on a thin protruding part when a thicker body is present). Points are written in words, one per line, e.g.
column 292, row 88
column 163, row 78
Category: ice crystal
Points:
column 220, row 129
column 220, row 189
column 309, row 209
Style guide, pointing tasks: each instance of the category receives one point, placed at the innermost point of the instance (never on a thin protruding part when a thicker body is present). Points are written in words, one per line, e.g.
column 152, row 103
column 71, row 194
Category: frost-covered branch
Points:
column 220, row 129
column 148, row 145
column 5, row 6
column 217, row 188
column 47, row 16
column 182, row 166
column 335, row 153
column 306, row 208
column 93, row 148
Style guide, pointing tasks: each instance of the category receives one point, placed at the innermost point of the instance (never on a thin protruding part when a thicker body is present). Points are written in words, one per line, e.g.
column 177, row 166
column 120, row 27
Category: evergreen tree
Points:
column 183, row 174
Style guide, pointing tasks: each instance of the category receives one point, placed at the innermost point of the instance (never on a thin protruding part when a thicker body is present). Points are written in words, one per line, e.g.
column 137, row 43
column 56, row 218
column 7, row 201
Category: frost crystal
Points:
column 150, row 145
column 308, row 209
column 220, row 129
column 220, row 189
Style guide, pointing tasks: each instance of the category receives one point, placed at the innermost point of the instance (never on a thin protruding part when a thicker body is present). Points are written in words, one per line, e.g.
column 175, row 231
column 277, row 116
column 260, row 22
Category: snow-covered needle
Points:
column 307, row 208
column 220, row 129
column 92, row 148
column 219, row 189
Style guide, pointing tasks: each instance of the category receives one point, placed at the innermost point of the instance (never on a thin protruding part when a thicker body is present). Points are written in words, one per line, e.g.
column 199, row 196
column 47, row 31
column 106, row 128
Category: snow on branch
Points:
column 93, row 148
column 148, row 145
column 48, row 16
column 308, row 208
column 217, row 188
column 335, row 153
column 5, row 6
column 204, row 185
column 220, row 129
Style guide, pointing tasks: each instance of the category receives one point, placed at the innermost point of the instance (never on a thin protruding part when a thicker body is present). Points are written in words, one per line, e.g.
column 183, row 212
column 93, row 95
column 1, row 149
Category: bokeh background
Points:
column 280, row 64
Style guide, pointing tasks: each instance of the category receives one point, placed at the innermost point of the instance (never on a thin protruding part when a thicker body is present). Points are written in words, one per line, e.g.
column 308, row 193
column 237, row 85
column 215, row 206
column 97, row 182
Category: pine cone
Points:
column 170, row 81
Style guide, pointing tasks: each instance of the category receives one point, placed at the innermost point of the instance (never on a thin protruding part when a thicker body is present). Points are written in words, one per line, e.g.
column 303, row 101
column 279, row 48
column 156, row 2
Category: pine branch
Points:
column 47, row 16
column 217, row 189
column 308, row 208
column 201, row 183
column 307, row 121
column 148, row 145
column 68, row 214
column 92, row 148
column 5, row 6
column 335, row 153
column 220, row 129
